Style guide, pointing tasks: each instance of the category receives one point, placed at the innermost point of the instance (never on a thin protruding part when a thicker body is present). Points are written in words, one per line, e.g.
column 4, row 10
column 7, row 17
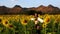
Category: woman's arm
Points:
column 41, row 20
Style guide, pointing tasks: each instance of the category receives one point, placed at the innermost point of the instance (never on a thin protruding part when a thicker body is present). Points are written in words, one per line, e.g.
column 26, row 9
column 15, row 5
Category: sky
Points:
column 29, row 3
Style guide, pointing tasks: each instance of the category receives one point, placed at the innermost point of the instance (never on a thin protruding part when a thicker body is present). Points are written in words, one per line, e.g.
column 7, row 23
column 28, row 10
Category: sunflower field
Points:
column 22, row 24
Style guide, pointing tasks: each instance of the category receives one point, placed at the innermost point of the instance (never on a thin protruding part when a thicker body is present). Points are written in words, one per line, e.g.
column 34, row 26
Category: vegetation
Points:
column 21, row 24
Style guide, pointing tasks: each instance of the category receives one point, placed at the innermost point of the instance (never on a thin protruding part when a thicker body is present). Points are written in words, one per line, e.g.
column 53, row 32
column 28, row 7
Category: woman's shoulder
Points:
column 41, row 20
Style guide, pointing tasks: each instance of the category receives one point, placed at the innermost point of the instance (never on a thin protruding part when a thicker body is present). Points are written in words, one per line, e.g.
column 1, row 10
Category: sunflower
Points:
column 24, row 22
column 1, row 18
column 57, row 20
column 44, row 25
column 10, row 26
column 5, row 22
column 0, row 21
column 47, row 19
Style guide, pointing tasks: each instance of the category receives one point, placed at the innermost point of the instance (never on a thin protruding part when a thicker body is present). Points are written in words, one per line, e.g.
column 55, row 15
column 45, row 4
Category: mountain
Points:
column 47, row 9
column 40, row 9
column 3, row 9
column 16, row 9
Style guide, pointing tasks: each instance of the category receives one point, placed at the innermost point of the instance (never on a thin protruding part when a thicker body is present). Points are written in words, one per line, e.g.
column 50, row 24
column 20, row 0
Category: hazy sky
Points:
column 29, row 3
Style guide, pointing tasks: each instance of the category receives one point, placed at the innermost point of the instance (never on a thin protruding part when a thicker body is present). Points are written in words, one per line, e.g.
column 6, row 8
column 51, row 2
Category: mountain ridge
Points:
column 18, row 9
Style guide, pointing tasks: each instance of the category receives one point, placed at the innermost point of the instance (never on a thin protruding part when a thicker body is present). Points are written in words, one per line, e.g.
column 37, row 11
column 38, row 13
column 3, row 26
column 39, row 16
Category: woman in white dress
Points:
column 37, row 20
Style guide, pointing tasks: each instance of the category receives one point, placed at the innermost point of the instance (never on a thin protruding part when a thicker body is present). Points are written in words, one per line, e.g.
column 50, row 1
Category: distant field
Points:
column 16, row 24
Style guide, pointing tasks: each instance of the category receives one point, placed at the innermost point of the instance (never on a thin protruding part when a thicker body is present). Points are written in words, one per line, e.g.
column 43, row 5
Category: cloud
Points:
column 13, row 0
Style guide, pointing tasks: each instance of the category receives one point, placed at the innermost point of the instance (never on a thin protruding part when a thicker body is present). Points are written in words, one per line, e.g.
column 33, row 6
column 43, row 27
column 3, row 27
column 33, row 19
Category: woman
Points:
column 37, row 21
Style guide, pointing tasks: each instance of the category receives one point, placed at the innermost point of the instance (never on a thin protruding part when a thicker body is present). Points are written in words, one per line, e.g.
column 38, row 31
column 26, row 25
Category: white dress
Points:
column 39, row 19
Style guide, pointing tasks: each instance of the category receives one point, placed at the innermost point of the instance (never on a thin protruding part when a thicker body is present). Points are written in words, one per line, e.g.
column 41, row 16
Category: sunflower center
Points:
column 0, row 20
column 6, row 22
